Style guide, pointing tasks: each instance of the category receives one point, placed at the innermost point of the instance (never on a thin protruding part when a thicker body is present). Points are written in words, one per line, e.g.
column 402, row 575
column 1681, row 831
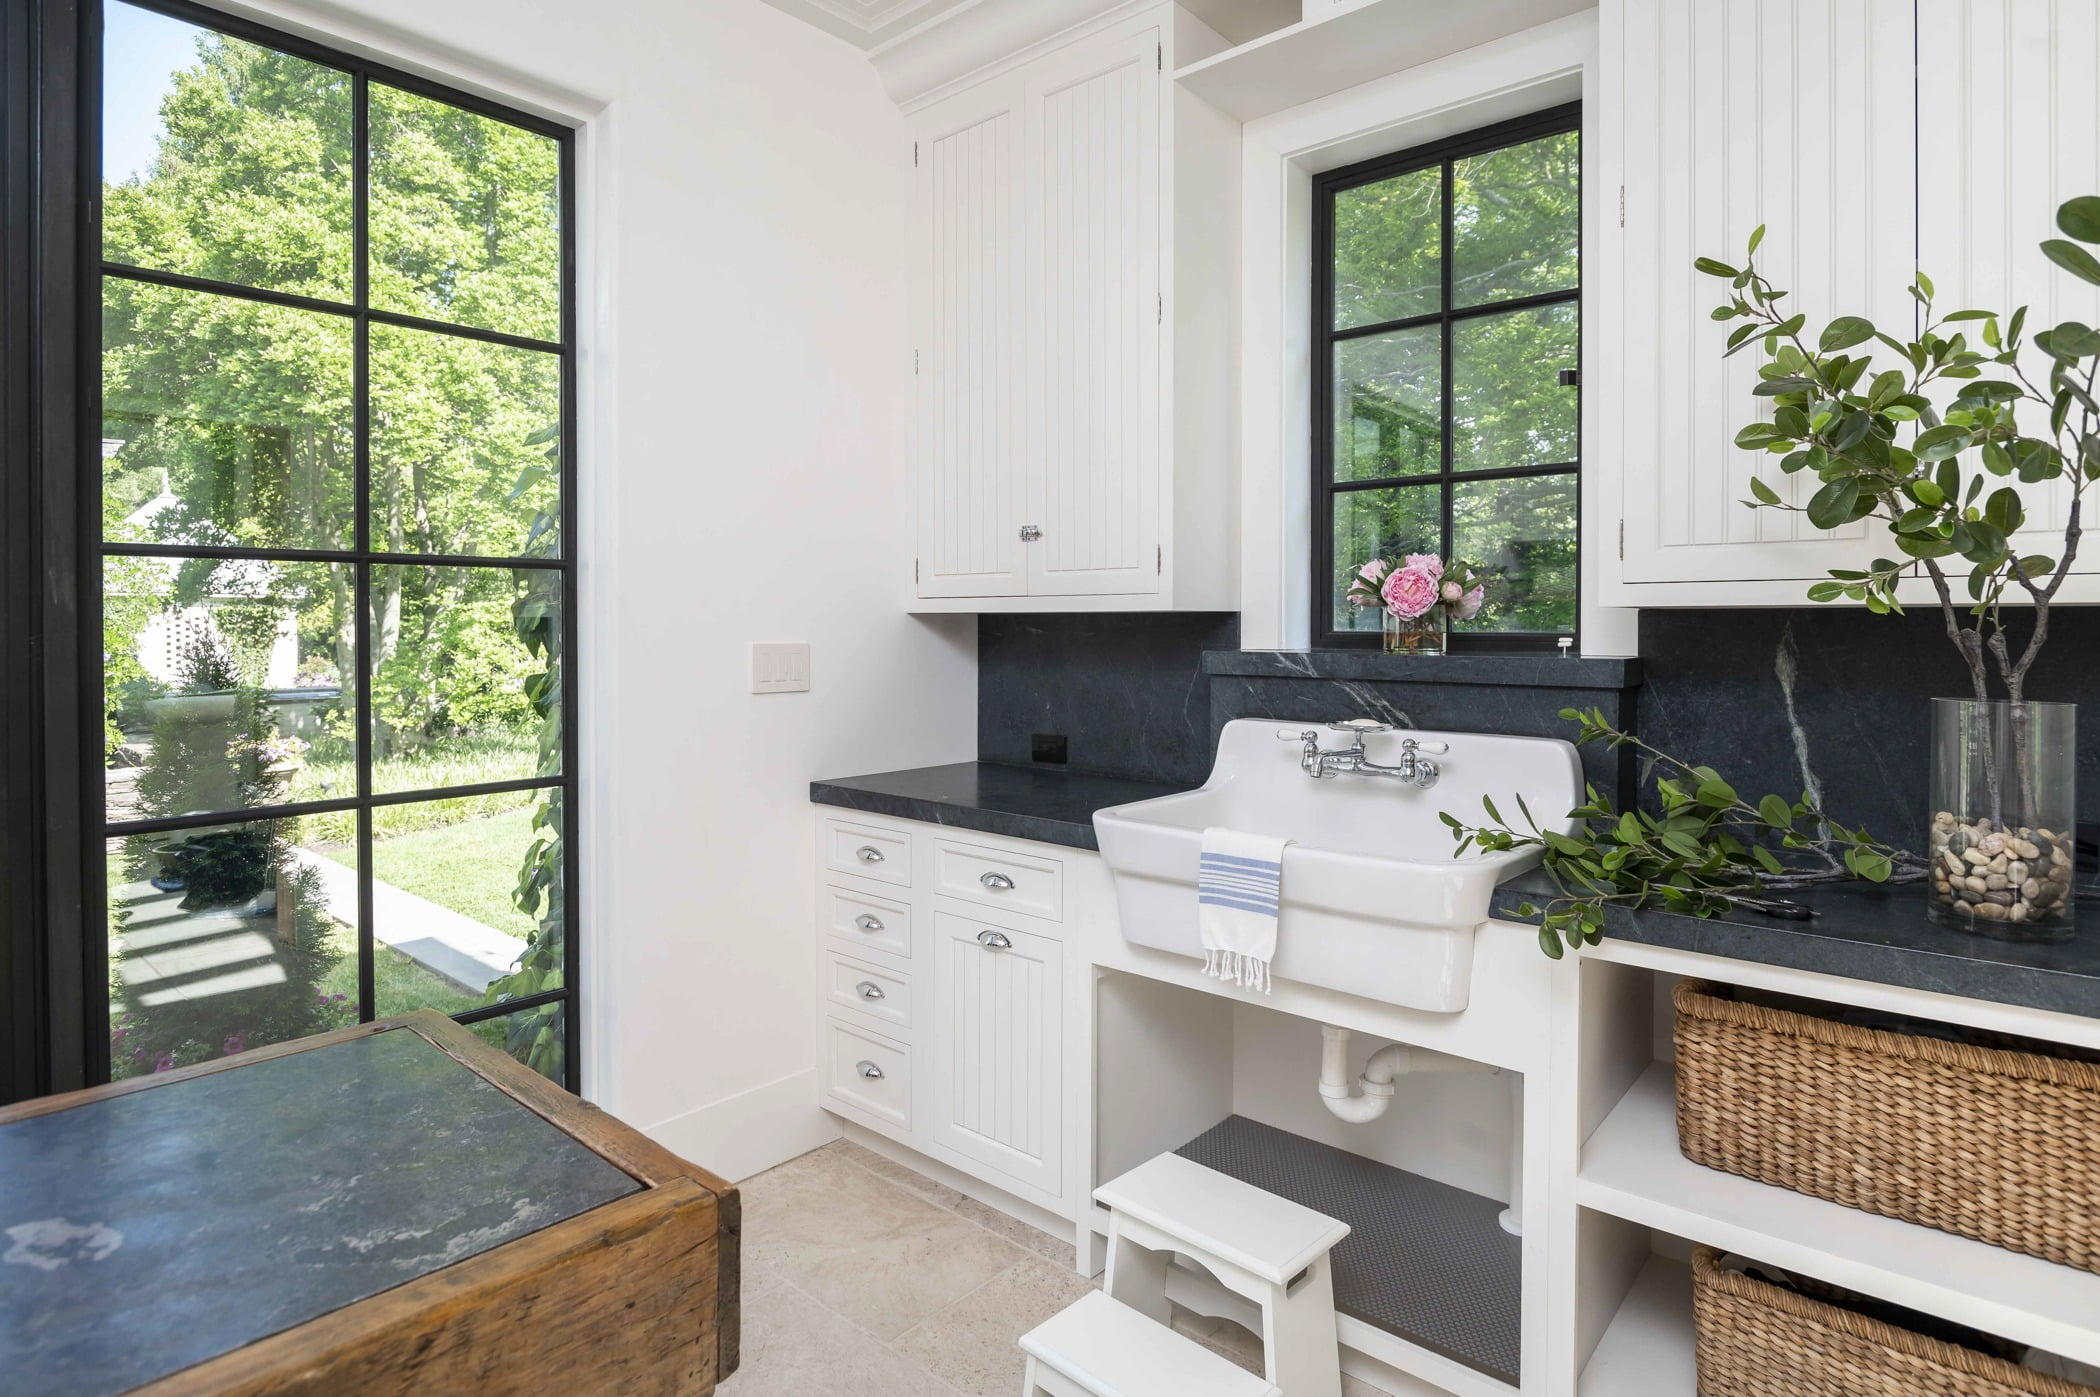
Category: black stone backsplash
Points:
column 1839, row 702
column 1777, row 700
column 1126, row 689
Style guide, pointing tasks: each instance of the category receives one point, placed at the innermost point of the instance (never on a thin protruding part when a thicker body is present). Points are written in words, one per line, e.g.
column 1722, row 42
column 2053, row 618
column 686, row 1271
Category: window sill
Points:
column 1526, row 671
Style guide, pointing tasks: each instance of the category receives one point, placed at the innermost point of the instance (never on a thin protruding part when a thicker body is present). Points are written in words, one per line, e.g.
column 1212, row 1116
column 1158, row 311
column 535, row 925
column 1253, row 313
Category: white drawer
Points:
column 867, row 921
column 867, row 989
column 868, row 852
column 867, row 1072
column 1019, row 883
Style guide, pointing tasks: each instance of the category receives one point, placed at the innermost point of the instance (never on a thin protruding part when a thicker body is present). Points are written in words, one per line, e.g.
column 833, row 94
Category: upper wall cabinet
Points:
column 1073, row 443
column 1721, row 116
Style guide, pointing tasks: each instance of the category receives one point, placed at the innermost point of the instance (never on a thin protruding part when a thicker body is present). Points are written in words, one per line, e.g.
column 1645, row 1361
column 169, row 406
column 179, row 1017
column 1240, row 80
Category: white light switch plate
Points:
column 780, row 669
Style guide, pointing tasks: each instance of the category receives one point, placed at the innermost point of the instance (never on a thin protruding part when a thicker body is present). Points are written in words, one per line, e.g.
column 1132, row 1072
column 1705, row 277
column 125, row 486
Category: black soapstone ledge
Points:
column 1523, row 671
column 1049, row 805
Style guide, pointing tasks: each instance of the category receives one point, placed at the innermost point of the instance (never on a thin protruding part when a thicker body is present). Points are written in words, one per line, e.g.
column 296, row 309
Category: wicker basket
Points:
column 1990, row 1143
column 1756, row 1339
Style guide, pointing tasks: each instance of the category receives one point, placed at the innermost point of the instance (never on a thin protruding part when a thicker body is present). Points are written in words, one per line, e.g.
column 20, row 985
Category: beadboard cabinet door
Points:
column 971, row 311
column 1796, row 114
column 999, row 1008
column 2009, row 128
column 1095, row 307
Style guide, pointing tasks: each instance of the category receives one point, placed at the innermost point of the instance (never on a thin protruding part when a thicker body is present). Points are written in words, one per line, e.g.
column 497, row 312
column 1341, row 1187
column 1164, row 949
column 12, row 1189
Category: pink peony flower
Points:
column 1409, row 592
column 1451, row 591
column 1364, row 590
column 1428, row 563
column 1469, row 606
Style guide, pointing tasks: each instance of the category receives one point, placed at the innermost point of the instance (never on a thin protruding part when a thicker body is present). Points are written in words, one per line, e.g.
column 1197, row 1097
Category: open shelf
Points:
column 1423, row 1261
column 1632, row 1169
column 1647, row 1351
column 1319, row 57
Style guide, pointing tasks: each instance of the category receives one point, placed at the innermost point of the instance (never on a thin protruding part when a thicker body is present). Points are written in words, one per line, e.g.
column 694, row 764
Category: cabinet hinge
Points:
column 915, row 571
column 1159, row 559
column 915, row 165
column 1160, row 311
column 915, row 361
column 1159, row 56
column 1622, row 540
column 1622, row 206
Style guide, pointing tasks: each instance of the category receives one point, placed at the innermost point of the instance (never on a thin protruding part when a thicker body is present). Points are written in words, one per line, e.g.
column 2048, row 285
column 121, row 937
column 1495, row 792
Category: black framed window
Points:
column 331, row 419
column 1447, row 284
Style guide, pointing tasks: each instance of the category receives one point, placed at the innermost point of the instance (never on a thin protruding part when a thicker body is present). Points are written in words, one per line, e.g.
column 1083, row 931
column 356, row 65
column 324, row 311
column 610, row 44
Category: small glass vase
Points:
column 2003, row 837
column 1414, row 635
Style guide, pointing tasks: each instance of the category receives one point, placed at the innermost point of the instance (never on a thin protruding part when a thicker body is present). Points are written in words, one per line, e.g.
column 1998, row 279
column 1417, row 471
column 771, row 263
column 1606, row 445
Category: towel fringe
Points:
column 1246, row 971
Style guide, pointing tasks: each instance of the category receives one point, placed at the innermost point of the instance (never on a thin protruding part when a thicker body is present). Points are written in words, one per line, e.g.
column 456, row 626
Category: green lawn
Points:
column 470, row 867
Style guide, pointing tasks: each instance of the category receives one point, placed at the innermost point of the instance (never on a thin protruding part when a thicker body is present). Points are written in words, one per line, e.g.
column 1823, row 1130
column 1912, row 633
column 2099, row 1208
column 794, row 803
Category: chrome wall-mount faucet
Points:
column 1321, row 763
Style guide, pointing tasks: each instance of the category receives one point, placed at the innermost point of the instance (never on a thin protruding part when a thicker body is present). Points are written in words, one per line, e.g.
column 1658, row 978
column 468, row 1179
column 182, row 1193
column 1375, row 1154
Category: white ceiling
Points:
column 866, row 23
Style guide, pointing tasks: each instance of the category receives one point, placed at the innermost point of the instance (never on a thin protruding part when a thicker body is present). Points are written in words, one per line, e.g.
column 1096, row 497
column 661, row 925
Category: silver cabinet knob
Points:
column 868, row 853
column 869, row 1070
column 869, row 990
column 868, row 921
column 997, row 940
column 997, row 882
column 1030, row 533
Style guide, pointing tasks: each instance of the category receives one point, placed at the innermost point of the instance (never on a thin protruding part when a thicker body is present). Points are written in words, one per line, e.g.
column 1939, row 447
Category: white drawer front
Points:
column 867, row 989
column 866, row 921
column 1019, row 883
column 868, row 1073
column 868, row 852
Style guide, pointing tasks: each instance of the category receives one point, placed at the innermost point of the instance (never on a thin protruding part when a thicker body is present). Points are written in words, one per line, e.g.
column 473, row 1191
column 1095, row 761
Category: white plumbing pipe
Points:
column 1392, row 1060
column 1512, row 1217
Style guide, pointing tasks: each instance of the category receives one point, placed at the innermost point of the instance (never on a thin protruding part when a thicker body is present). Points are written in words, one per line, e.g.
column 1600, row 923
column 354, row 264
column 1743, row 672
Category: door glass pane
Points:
column 1388, row 249
column 1388, row 524
column 222, row 686
column 466, row 217
column 1516, row 221
column 1508, row 407
column 224, row 422
column 465, row 676
column 223, row 939
column 1521, row 532
column 1388, row 405
column 448, row 877
column 223, row 159
column 534, row 1037
column 465, row 446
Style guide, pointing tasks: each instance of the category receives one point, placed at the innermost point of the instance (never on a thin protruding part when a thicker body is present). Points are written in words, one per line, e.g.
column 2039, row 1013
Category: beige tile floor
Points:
column 865, row 1279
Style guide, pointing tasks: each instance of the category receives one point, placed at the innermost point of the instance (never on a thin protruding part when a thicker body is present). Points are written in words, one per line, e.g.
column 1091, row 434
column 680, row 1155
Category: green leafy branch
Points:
column 1708, row 846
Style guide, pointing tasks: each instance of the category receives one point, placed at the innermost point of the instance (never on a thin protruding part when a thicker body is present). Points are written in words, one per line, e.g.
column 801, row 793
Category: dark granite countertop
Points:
column 1521, row 670
column 1877, row 934
column 1045, row 804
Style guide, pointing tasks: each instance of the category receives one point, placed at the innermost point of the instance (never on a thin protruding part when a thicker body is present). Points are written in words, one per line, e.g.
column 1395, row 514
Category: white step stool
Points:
column 1100, row 1348
column 1268, row 1249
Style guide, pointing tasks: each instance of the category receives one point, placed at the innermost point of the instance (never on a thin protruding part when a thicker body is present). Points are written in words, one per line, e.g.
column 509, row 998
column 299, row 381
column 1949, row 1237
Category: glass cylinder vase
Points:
column 1414, row 635
column 2004, row 826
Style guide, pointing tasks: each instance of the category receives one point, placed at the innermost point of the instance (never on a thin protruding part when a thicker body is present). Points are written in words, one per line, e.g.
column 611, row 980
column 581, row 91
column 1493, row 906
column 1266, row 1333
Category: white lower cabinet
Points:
column 943, row 999
column 998, row 1022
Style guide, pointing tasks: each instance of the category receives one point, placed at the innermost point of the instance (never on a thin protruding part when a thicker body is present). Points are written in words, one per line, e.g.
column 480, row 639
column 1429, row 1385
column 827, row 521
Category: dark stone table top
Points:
column 148, row 1232
column 1046, row 804
column 1862, row 931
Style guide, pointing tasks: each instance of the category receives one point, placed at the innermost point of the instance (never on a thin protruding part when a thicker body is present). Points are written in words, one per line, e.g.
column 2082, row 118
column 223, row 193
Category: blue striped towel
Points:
column 1238, row 881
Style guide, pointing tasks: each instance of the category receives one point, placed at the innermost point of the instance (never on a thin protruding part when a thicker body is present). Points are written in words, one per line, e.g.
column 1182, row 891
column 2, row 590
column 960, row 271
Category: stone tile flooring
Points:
column 863, row 1278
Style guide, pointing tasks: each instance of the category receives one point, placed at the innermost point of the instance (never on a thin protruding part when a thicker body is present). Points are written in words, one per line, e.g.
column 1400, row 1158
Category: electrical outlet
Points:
column 779, row 669
column 1051, row 747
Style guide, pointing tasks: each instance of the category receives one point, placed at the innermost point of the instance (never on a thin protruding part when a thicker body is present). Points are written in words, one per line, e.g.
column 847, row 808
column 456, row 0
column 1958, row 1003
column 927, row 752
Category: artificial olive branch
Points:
column 1708, row 847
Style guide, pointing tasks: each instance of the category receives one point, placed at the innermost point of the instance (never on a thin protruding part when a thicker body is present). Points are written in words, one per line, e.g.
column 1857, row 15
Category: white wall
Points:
column 741, row 208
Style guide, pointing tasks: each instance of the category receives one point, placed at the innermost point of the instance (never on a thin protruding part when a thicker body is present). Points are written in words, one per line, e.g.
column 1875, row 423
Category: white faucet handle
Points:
column 1436, row 747
column 1293, row 734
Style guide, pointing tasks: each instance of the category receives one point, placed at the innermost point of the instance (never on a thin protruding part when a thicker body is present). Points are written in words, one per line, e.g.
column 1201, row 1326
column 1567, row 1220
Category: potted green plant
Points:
column 1941, row 449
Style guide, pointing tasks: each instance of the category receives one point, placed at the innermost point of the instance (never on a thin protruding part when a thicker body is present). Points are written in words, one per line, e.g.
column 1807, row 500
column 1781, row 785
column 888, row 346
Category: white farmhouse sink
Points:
column 1373, row 902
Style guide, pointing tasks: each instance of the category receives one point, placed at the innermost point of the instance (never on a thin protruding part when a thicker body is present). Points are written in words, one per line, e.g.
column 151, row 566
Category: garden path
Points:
column 439, row 939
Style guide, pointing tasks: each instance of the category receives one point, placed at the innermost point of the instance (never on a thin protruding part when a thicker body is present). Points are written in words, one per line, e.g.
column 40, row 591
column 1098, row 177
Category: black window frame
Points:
column 1325, row 337
column 54, row 962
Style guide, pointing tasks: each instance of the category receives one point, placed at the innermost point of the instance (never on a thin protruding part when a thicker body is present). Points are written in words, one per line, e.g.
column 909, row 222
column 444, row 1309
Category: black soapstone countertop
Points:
column 1860, row 931
column 145, row 1233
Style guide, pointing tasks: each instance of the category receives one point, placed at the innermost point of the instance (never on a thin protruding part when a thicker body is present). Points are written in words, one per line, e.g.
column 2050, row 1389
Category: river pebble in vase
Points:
column 2002, row 838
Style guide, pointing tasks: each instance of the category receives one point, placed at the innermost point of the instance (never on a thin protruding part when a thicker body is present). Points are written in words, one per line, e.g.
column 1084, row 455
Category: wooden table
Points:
column 397, row 1206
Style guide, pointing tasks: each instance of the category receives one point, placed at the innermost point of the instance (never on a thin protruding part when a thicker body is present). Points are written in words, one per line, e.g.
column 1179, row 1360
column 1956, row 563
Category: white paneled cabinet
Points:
column 998, row 996
column 1872, row 137
column 1071, row 448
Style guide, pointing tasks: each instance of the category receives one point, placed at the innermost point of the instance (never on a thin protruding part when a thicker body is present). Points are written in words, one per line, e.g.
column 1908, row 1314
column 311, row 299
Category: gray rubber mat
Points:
column 1422, row 1260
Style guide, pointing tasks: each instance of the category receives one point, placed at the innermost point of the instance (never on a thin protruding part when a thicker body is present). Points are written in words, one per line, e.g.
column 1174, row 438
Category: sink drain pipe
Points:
column 1402, row 1059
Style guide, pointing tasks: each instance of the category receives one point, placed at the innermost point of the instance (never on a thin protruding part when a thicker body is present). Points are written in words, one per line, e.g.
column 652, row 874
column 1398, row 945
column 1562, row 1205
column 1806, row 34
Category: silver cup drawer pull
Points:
column 997, row 882
column 997, row 940
column 868, row 921
column 868, row 853
column 869, row 1070
column 870, row 990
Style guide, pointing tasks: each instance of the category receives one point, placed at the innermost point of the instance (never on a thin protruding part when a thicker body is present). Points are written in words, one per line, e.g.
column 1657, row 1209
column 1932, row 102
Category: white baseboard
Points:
column 752, row 1131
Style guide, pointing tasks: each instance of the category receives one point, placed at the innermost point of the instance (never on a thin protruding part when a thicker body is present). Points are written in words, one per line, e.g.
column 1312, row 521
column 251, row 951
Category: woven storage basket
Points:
column 1756, row 1339
column 1990, row 1143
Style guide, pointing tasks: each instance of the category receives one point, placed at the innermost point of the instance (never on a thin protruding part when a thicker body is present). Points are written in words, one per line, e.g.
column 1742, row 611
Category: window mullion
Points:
column 361, row 526
column 1444, row 352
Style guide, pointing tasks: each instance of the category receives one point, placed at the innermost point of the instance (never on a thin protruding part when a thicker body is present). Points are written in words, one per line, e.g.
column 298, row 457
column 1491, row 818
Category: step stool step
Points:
column 1218, row 1215
column 1107, row 1349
